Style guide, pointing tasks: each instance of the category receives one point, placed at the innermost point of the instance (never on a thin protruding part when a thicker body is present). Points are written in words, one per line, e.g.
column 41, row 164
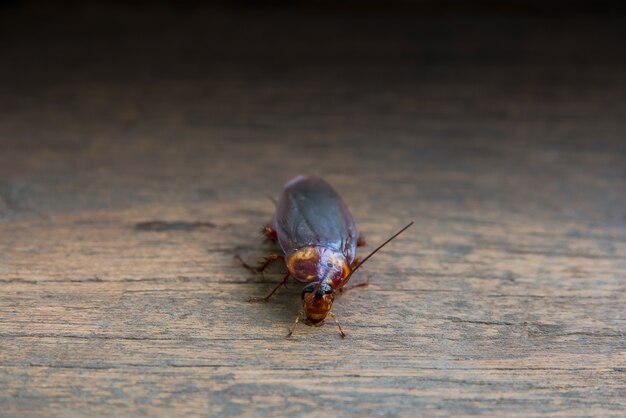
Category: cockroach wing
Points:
column 311, row 213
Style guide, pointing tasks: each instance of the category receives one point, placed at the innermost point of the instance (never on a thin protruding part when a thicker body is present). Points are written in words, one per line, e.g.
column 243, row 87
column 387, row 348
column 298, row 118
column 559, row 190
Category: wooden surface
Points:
column 501, row 136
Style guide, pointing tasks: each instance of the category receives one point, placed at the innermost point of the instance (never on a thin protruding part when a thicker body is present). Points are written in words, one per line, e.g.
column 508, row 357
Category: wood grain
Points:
column 134, row 165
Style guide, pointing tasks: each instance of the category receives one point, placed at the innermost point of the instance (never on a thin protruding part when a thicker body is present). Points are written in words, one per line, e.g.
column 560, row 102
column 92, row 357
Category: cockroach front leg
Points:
column 332, row 315
column 264, row 264
column 360, row 241
column 266, row 298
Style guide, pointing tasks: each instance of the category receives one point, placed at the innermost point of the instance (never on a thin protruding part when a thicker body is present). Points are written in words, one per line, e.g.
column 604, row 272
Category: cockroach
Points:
column 318, row 237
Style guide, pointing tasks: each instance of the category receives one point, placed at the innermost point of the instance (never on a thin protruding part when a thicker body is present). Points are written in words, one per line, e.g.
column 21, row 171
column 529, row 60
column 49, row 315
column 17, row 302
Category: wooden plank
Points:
column 128, row 184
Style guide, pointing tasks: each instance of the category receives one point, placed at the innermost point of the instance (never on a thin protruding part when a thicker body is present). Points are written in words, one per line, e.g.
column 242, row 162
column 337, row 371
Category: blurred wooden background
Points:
column 502, row 135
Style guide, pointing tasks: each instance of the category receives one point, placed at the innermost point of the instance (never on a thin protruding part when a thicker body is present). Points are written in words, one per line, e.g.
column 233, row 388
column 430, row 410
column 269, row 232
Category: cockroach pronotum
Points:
column 318, row 238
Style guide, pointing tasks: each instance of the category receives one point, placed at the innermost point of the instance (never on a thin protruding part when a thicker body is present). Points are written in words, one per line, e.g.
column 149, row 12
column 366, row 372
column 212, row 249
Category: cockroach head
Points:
column 317, row 300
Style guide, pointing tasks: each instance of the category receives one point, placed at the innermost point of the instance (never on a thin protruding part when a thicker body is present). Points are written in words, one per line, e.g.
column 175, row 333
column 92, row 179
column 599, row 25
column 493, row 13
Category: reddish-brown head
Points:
column 317, row 300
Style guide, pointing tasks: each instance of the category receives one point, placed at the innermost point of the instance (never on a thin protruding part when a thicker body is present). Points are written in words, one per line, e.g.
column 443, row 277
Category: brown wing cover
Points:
column 311, row 213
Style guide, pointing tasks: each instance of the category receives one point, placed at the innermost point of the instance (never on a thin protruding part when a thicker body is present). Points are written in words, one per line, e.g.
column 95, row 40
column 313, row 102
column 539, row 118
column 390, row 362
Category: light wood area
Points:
column 507, row 297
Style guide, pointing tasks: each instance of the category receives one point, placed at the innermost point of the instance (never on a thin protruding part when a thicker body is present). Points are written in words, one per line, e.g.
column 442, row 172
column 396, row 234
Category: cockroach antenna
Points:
column 377, row 249
column 394, row 236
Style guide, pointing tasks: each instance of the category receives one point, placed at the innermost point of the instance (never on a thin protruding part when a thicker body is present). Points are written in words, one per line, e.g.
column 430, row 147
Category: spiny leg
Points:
column 360, row 241
column 266, row 298
column 332, row 315
column 263, row 265
column 268, row 260
column 293, row 327
column 270, row 233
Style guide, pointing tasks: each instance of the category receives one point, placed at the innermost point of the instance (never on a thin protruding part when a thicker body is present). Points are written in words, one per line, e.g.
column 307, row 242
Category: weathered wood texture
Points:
column 502, row 137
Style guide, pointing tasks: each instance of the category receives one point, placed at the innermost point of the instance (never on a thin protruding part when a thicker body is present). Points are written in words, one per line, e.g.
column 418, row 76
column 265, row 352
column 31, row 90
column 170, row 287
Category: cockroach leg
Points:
column 352, row 286
column 332, row 315
column 263, row 265
column 293, row 327
column 360, row 241
column 268, row 260
column 243, row 263
column 269, row 233
column 266, row 298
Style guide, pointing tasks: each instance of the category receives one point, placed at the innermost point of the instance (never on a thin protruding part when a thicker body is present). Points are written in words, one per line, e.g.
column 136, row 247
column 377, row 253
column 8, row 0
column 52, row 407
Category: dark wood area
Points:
column 138, row 146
